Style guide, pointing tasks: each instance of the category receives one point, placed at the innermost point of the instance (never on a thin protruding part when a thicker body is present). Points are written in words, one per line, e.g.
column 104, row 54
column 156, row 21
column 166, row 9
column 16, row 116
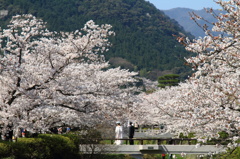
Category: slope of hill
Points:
column 181, row 15
column 143, row 33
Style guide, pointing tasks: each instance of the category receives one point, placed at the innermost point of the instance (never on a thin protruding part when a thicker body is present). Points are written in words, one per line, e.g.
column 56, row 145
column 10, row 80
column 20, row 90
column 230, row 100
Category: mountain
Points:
column 143, row 40
column 182, row 16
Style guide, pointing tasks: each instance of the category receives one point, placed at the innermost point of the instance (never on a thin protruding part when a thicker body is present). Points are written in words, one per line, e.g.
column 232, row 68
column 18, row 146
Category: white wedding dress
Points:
column 119, row 135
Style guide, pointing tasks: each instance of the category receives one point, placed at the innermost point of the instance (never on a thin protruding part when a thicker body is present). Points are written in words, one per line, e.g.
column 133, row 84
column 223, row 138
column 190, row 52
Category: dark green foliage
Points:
column 46, row 146
column 122, row 63
column 29, row 148
column 58, row 146
column 232, row 153
column 73, row 136
column 222, row 140
column 182, row 136
column 191, row 135
column 168, row 80
column 5, row 149
column 51, row 146
column 223, row 135
column 143, row 33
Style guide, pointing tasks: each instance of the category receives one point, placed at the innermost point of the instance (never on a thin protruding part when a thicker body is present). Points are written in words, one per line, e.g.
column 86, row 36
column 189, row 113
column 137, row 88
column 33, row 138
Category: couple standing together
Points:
column 119, row 133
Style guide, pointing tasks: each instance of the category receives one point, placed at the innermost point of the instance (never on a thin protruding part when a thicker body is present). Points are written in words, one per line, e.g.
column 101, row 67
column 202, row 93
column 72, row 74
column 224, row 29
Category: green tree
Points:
column 168, row 80
column 223, row 135
column 143, row 33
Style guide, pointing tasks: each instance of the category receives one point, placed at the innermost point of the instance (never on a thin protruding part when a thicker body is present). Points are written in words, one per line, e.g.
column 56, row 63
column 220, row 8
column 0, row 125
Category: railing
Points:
column 164, row 146
column 143, row 141
column 151, row 130
column 158, row 141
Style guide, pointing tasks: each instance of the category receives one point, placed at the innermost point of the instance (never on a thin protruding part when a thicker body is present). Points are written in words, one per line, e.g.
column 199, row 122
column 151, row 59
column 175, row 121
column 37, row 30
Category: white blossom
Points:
column 209, row 101
column 49, row 79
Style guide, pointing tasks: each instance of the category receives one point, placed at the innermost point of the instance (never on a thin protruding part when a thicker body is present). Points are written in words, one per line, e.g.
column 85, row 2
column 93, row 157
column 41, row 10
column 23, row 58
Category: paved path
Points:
column 152, row 149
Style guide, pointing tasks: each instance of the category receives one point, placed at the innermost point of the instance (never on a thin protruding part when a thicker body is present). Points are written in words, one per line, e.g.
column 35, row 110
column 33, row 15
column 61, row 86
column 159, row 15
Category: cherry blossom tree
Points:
column 209, row 101
column 48, row 79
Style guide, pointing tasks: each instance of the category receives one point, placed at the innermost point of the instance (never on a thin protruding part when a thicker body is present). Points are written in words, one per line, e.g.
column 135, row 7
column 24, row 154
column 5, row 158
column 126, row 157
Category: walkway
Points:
column 152, row 149
column 162, row 146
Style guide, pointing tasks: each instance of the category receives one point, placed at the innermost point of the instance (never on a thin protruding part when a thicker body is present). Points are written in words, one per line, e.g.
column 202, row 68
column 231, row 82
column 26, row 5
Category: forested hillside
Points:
column 143, row 40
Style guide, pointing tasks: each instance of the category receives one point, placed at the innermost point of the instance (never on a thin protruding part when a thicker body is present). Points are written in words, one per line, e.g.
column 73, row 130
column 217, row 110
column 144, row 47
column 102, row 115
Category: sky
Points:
column 192, row 4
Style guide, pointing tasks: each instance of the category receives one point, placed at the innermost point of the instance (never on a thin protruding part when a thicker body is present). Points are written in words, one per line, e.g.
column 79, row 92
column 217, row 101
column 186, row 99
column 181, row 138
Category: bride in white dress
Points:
column 119, row 133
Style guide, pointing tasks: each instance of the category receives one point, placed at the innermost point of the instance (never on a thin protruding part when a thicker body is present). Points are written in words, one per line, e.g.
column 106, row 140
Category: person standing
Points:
column 68, row 130
column 23, row 131
column 60, row 130
column 131, row 133
column 119, row 133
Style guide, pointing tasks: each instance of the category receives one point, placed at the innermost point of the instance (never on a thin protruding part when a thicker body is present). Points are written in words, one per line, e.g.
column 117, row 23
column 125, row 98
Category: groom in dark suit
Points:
column 131, row 133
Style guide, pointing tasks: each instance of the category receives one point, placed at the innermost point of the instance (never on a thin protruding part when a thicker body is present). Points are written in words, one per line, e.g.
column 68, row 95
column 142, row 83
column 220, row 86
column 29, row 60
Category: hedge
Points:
column 45, row 146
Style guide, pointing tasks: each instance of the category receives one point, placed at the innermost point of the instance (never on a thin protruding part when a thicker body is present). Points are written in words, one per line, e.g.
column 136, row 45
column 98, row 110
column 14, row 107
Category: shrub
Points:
column 235, row 153
column 29, row 148
column 46, row 146
column 73, row 137
column 5, row 149
column 58, row 146
column 49, row 146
